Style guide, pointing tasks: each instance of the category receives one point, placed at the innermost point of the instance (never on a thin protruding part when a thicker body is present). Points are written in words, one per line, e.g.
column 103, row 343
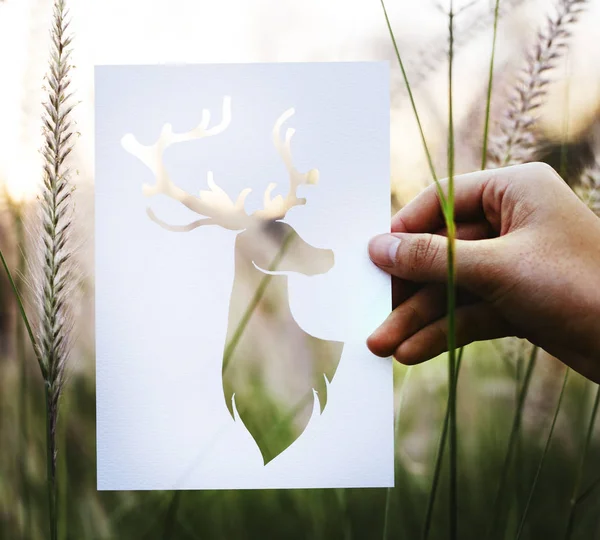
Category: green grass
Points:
column 499, row 503
column 543, row 457
column 581, row 467
column 388, row 496
column 560, row 503
column 447, row 208
column 488, row 100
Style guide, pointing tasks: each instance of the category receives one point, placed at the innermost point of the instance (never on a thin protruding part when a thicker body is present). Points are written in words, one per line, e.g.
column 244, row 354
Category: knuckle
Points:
column 422, row 253
column 541, row 168
column 542, row 171
column 414, row 318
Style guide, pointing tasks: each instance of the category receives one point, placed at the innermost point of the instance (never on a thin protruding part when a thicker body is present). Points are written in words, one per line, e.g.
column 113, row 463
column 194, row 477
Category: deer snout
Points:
column 322, row 261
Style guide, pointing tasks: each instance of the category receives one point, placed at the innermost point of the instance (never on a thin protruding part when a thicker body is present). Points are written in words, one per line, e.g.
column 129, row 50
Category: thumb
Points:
column 424, row 258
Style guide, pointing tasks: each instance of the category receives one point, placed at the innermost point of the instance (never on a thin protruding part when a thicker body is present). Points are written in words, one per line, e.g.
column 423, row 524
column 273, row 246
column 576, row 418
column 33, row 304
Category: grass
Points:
column 488, row 100
column 55, row 277
column 581, row 467
column 260, row 291
column 388, row 496
column 353, row 513
column 497, row 507
column 437, row 469
column 543, row 457
column 451, row 286
column 20, row 341
column 447, row 207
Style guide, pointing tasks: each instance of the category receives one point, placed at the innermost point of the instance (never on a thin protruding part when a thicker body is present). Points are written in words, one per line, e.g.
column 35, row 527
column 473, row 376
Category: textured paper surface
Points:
column 163, row 297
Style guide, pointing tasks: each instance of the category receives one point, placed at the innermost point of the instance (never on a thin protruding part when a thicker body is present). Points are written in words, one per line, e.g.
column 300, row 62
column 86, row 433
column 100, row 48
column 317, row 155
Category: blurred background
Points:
column 175, row 31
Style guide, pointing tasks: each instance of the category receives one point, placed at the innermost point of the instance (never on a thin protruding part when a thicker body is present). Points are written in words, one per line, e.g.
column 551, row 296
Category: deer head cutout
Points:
column 272, row 369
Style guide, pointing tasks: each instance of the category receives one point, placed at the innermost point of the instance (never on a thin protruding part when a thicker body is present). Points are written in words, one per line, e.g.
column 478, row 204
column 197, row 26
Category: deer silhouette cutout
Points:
column 272, row 369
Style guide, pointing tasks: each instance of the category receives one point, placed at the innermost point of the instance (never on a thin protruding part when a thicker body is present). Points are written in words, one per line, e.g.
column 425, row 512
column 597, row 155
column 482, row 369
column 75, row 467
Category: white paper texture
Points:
column 162, row 298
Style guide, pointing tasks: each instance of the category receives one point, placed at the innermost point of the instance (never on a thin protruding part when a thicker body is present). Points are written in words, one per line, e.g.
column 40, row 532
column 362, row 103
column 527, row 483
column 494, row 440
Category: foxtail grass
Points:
column 55, row 276
column 516, row 141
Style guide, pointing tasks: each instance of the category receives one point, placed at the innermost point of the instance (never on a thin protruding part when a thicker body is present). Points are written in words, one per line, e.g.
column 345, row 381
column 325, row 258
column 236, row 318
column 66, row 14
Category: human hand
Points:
column 527, row 265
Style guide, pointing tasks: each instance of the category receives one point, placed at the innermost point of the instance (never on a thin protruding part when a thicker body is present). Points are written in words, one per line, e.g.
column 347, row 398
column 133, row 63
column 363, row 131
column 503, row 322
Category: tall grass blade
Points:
column 516, row 424
column 171, row 516
column 439, row 458
column 450, row 225
column 543, row 457
column 413, row 105
column 20, row 338
column 564, row 161
column 21, row 308
column 589, row 490
column 258, row 294
column 442, row 441
column 580, row 469
column 388, row 495
column 488, row 101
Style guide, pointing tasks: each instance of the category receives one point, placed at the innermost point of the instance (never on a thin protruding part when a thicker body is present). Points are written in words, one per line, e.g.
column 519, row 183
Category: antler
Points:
column 278, row 207
column 215, row 204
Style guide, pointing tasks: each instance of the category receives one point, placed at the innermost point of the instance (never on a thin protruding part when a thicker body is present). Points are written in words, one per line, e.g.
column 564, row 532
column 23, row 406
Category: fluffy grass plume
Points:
column 54, row 275
column 516, row 142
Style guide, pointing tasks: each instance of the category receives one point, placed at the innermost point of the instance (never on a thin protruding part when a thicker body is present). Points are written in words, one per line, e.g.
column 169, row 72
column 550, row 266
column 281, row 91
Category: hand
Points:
column 527, row 265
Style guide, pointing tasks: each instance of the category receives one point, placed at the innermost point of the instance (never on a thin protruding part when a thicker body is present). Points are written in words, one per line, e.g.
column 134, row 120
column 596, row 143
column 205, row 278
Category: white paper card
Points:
column 234, row 293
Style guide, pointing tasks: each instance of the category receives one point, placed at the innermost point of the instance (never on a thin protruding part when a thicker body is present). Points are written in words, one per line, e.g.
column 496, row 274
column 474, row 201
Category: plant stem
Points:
column 22, row 359
column 439, row 458
column 22, row 312
column 52, row 486
column 260, row 291
column 62, row 468
column 414, row 107
column 171, row 516
column 452, row 367
column 388, row 496
column 579, row 477
column 442, row 441
column 516, row 424
column 544, row 453
column 565, row 131
column 518, row 469
column 486, row 127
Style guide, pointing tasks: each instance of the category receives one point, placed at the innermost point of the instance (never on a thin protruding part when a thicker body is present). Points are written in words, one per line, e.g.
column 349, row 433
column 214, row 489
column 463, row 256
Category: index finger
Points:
column 424, row 213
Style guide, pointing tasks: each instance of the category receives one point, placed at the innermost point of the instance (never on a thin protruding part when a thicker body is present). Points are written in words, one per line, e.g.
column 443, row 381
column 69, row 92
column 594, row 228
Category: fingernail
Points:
column 383, row 249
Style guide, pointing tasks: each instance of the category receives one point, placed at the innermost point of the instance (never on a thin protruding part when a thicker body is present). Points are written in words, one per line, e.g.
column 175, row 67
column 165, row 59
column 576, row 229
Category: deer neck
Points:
column 257, row 292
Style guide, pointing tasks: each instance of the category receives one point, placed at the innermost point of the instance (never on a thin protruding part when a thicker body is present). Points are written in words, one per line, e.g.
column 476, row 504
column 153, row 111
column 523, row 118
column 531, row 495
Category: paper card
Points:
column 234, row 293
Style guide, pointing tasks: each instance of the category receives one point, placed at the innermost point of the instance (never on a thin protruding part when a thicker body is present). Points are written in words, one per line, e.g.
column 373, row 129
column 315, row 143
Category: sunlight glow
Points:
column 23, row 176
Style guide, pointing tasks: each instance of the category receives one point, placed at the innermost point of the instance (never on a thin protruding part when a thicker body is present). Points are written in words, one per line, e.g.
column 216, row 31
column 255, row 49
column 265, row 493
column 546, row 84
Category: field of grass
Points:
column 497, row 441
